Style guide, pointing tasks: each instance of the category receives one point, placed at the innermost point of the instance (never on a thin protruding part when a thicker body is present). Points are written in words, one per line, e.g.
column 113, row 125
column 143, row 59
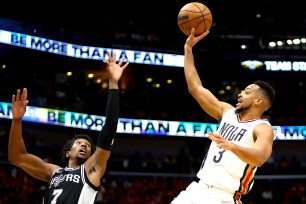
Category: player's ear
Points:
column 68, row 154
column 258, row 101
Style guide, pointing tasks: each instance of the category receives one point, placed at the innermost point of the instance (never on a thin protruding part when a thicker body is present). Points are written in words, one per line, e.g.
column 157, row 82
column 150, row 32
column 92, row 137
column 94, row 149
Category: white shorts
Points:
column 201, row 193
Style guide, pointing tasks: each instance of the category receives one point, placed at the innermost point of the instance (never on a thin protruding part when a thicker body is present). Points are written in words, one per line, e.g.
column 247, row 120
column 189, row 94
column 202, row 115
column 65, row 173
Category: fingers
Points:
column 203, row 34
column 124, row 66
column 18, row 97
column 214, row 137
column 114, row 56
column 112, row 59
column 121, row 61
column 24, row 95
column 210, row 136
column 13, row 98
column 111, row 56
column 192, row 32
column 200, row 37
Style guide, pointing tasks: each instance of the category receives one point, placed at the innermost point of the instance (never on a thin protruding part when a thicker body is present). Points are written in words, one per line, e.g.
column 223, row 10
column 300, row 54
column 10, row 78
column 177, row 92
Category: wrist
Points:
column 231, row 146
column 188, row 47
column 113, row 84
column 17, row 120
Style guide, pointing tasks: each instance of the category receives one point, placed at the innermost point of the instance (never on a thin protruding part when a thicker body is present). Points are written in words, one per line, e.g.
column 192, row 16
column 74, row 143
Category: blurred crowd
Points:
column 76, row 93
column 143, row 179
column 148, row 177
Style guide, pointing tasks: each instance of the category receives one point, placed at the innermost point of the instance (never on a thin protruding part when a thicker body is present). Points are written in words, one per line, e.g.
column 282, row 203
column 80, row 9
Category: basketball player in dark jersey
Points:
column 79, row 181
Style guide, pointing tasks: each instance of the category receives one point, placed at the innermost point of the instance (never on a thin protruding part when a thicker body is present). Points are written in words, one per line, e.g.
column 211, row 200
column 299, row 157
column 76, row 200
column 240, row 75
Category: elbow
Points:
column 192, row 89
column 13, row 159
column 262, row 159
column 259, row 162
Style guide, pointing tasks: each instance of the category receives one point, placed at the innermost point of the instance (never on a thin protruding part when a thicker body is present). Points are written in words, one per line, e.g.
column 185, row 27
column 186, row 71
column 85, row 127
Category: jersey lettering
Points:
column 73, row 177
column 232, row 133
column 61, row 178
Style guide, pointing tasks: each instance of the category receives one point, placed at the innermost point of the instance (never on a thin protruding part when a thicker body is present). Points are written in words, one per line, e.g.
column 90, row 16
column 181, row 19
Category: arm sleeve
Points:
column 108, row 132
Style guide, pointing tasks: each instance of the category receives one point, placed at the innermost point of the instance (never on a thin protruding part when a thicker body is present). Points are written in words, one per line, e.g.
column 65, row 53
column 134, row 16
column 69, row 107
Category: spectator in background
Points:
column 135, row 162
column 169, row 163
column 283, row 165
column 183, row 162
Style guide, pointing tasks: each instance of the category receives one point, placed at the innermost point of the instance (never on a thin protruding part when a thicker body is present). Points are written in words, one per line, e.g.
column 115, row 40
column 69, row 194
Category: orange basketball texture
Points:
column 194, row 15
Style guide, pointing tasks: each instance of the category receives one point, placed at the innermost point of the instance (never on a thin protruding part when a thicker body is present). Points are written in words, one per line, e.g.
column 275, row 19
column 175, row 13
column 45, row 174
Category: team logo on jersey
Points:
column 57, row 180
column 232, row 133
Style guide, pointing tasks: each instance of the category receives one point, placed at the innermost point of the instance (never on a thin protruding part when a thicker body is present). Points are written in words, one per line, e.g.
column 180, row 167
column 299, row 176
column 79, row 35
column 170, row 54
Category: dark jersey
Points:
column 70, row 185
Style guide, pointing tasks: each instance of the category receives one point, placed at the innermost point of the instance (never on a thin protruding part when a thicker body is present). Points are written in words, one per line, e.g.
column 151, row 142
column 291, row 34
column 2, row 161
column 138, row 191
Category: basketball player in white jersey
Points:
column 79, row 181
column 242, row 142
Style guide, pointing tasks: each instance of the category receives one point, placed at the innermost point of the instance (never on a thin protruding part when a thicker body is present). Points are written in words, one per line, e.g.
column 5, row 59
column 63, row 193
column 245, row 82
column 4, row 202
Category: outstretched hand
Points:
column 19, row 103
column 115, row 70
column 221, row 142
column 192, row 40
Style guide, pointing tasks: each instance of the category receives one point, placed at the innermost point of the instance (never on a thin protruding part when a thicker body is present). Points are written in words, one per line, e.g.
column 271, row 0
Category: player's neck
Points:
column 72, row 164
column 249, row 116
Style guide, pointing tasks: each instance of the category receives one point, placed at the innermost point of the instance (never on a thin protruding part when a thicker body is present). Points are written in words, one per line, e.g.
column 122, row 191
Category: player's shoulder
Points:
column 264, row 126
column 52, row 168
column 228, row 109
column 265, row 129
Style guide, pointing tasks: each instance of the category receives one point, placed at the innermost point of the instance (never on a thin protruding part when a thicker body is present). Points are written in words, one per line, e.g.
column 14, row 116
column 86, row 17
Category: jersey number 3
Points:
column 217, row 158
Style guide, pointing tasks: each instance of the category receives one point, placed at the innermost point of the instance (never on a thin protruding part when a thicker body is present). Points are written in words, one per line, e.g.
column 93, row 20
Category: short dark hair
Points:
column 67, row 146
column 267, row 90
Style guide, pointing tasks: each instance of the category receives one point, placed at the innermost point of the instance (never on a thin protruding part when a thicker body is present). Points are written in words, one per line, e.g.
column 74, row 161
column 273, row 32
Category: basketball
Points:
column 194, row 15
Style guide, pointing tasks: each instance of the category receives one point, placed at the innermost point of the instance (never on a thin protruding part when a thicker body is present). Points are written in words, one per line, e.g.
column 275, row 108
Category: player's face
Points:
column 80, row 150
column 247, row 97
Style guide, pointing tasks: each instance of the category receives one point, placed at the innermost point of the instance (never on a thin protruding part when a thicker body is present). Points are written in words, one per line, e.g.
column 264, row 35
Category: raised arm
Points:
column 17, row 153
column 209, row 103
column 95, row 166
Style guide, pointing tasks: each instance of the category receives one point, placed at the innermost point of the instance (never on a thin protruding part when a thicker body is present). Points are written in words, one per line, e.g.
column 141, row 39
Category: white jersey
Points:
column 223, row 169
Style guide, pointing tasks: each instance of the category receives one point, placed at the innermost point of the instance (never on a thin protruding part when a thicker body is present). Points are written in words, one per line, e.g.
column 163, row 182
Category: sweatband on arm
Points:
column 107, row 134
